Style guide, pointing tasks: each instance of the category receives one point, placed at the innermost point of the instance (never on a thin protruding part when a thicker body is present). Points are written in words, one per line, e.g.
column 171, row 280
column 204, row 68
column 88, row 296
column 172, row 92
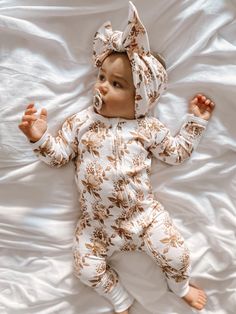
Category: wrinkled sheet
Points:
column 45, row 58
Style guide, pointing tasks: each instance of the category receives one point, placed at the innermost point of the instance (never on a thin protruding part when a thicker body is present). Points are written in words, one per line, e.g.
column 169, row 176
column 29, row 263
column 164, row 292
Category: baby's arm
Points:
column 174, row 150
column 54, row 151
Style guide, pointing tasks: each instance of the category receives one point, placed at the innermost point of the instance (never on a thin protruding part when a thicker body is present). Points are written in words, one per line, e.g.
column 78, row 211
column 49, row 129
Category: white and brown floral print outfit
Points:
column 112, row 158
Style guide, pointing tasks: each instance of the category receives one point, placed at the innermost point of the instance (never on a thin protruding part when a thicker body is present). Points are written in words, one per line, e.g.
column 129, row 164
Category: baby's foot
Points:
column 196, row 298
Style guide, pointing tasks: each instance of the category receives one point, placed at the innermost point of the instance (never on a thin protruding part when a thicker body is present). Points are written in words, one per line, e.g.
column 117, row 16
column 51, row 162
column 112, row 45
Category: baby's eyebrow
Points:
column 119, row 77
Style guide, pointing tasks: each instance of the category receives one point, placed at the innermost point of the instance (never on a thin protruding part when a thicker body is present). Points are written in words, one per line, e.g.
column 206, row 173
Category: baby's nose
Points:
column 103, row 88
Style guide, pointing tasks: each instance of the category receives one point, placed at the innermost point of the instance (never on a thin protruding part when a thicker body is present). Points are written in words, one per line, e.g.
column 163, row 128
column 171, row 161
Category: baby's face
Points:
column 115, row 83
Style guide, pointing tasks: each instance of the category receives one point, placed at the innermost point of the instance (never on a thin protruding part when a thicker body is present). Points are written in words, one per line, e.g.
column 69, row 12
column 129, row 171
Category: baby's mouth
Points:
column 97, row 100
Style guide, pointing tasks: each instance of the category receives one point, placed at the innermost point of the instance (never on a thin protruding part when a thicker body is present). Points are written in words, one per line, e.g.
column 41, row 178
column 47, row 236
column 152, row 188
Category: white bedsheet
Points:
column 45, row 57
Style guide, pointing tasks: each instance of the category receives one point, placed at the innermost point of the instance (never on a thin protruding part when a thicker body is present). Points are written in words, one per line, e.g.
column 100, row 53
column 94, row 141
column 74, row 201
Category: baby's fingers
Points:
column 30, row 106
column 210, row 106
column 30, row 111
column 29, row 118
column 24, row 127
column 43, row 114
column 194, row 101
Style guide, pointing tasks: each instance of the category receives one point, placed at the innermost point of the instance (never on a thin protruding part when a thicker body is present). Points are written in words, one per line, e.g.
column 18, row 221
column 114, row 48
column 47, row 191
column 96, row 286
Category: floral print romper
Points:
column 119, row 212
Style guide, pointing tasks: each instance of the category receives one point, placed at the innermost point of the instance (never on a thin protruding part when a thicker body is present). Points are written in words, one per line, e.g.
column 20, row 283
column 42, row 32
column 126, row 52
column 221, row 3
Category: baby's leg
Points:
column 92, row 269
column 164, row 243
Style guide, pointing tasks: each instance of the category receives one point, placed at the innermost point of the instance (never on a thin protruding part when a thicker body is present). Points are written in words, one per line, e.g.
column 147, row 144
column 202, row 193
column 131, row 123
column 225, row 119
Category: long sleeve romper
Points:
column 119, row 211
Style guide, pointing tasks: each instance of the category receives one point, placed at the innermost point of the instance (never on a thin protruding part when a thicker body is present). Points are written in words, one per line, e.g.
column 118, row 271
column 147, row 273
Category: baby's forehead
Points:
column 119, row 63
column 118, row 57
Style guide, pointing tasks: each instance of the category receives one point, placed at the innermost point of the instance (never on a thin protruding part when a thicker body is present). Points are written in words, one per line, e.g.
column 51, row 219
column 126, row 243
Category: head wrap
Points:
column 149, row 76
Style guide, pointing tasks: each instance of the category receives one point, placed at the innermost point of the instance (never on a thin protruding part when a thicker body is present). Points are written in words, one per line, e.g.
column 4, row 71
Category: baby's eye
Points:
column 117, row 84
column 101, row 77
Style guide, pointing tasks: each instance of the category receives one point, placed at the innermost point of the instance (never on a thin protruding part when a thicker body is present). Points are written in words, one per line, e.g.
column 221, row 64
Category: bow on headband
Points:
column 149, row 76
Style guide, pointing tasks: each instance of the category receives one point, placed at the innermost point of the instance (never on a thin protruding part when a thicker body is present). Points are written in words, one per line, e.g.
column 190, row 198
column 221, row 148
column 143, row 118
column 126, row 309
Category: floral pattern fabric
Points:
column 119, row 211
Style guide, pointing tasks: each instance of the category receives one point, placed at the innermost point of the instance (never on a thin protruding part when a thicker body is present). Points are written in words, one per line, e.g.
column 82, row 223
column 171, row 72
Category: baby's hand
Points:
column 33, row 127
column 201, row 106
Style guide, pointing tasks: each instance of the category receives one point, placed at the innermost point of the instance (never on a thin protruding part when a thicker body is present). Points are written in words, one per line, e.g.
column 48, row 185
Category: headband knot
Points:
column 116, row 42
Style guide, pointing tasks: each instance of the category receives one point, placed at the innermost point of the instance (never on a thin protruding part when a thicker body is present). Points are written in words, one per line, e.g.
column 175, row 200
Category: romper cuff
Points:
column 198, row 120
column 35, row 145
column 192, row 128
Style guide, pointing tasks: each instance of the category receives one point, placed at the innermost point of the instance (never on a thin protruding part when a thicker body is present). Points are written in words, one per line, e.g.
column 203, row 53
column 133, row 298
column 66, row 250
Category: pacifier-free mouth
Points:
column 97, row 100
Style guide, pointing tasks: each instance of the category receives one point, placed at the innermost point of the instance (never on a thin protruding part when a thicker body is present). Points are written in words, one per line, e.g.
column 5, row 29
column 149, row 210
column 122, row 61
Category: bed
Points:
column 46, row 49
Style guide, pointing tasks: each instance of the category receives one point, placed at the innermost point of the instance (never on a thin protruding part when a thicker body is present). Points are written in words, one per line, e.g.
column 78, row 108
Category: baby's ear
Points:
column 160, row 58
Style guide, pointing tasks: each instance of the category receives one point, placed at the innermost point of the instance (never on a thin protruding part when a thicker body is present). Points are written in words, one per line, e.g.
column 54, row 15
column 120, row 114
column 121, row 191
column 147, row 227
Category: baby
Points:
column 111, row 144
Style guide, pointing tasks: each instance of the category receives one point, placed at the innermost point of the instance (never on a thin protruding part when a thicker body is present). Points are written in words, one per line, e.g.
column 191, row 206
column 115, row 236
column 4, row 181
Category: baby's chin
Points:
column 107, row 114
column 103, row 112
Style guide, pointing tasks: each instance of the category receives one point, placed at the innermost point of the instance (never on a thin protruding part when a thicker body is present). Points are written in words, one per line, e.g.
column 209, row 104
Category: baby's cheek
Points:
column 95, row 86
